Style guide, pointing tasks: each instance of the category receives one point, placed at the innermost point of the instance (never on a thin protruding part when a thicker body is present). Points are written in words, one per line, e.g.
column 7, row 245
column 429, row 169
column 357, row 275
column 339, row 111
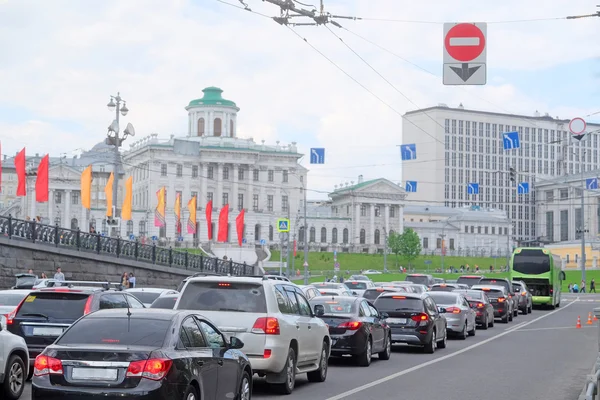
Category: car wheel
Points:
column 531, row 309
column 510, row 316
column 385, row 354
column 442, row 344
column 472, row 332
column 290, row 374
column 463, row 333
column 245, row 387
column 364, row 359
column 485, row 324
column 506, row 318
column 491, row 322
column 14, row 380
column 320, row 374
column 191, row 394
column 430, row 347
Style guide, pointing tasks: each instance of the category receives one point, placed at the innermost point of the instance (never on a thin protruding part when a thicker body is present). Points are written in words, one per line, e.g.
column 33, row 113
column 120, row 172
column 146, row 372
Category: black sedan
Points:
column 356, row 328
column 484, row 310
column 146, row 354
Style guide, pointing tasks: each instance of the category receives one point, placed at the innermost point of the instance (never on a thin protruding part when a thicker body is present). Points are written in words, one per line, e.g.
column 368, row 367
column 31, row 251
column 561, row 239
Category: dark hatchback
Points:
column 484, row 310
column 506, row 284
column 44, row 314
column 373, row 293
column 143, row 354
column 166, row 302
column 414, row 319
column 356, row 328
column 500, row 301
column 469, row 280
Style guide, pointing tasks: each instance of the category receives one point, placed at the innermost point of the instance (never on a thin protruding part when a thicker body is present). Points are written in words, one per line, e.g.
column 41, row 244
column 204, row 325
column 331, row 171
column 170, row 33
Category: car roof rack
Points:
column 71, row 284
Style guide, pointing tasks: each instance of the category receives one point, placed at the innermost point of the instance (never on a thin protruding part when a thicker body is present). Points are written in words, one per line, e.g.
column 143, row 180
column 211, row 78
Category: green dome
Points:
column 212, row 97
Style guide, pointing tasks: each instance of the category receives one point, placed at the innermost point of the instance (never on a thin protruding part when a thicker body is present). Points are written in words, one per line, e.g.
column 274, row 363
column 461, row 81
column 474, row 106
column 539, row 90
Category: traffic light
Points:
column 512, row 174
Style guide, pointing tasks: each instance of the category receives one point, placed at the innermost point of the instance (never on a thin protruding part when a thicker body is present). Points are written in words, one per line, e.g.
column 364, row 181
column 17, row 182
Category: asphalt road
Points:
column 537, row 356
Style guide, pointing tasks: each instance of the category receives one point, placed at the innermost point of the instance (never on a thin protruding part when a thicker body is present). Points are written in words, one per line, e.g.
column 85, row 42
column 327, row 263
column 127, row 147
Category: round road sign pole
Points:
column 464, row 42
column 577, row 126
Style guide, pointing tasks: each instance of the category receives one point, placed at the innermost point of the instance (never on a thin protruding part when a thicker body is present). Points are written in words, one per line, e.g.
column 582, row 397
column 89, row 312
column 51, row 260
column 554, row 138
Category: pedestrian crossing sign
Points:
column 283, row 225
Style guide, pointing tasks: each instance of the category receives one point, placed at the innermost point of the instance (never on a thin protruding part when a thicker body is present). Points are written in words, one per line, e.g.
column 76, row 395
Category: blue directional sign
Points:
column 180, row 239
column 244, row 240
column 131, row 237
column 473, row 188
column 427, row 262
column 411, row 186
column 263, row 242
column 154, row 237
column 317, row 156
column 511, row 140
column 408, row 151
column 591, row 183
column 523, row 188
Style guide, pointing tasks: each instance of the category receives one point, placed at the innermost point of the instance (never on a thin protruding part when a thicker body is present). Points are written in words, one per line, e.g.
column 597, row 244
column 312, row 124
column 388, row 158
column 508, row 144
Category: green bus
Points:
column 541, row 271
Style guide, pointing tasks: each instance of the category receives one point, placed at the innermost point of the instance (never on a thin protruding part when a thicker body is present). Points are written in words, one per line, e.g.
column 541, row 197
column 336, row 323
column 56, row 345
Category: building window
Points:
column 284, row 177
column 334, row 235
column 363, row 210
column 451, row 244
column 142, row 228
column 377, row 236
column 392, row 212
column 214, row 232
column 301, row 234
column 201, row 127
column 564, row 194
column 323, row 235
column 179, row 170
column 225, row 173
column 210, row 172
column 486, row 230
column 271, row 175
column 425, row 243
column 438, row 243
column 129, row 228
column 362, row 237
column 313, row 234
column 257, row 229
column 194, row 171
column 579, row 225
column 377, row 211
column 240, row 201
column 74, row 223
column 58, row 197
column 218, row 126
column 255, row 202
column 549, row 196
column 345, row 236
column 163, row 169
column 104, row 225
column 550, row 226
column 564, row 225
column 231, row 128
column 240, row 174
column 284, row 203
column 479, row 230
column 255, row 175
column 271, row 233
column 225, row 199
column 270, row 202
column 466, row 229
column 75, row 198
column 209, row 196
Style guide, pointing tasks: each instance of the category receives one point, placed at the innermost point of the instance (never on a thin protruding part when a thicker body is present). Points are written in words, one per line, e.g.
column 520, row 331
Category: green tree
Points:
column 394, row 244
column 408, row 245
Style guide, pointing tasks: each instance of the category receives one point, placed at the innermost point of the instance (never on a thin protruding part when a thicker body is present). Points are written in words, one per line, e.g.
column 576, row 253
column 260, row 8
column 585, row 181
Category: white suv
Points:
column 14, row 363
column 282, row 336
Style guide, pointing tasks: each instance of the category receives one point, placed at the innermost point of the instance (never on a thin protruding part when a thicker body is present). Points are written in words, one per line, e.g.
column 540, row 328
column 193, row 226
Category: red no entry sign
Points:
column 464, row 42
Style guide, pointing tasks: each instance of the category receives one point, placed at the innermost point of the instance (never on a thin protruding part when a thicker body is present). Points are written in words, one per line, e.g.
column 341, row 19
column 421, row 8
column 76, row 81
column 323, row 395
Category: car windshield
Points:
column 471, row 295
column 145, row 297
column 341, row 306
column 118, row 331
column 53, row 305
column 167, row 302
column 398, row 303
column 10, row 299
column 492, row 293
column 420, row 279
column 442, row 288
column 443, row 297
column 223, row 296
column 356, row 285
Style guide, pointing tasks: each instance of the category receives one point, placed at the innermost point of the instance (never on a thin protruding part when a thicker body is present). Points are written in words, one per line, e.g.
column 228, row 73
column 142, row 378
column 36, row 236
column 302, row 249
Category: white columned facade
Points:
column 51, row 207
column 236, row 168
column 356, row 238
column 401, row 219
column 371, row 234
column 67, row 222
column 262, row 201
column 202, row 199
column 219, row 177
column 386, row 218
column 277, row 206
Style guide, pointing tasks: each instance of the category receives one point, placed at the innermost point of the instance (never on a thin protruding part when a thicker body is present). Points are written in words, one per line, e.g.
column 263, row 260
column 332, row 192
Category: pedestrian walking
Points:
column 43, row 276
column 59, row 276
column 593, row 285
column 125, row 280
column 582, row 288
column 131, row 280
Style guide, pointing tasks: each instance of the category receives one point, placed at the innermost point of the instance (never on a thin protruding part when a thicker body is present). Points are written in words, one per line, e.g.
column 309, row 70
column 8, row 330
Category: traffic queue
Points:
column 212, row 336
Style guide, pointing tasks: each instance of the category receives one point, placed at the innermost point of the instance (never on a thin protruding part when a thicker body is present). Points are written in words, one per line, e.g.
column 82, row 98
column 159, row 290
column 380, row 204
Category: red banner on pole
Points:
column 295, row 248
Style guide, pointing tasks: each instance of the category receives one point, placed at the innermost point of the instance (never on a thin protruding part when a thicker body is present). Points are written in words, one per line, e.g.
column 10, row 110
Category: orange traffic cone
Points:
column 589, row 321
column 578, row 326
column 595, row 318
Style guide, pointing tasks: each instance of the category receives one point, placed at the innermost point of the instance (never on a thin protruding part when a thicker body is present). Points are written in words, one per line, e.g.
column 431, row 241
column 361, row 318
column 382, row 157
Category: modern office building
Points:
column 457, row 146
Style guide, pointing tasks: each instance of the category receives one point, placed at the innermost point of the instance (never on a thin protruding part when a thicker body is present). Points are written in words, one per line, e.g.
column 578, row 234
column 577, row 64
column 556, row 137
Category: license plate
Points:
column 94, row 374
column 396, row 320
column 47, row 331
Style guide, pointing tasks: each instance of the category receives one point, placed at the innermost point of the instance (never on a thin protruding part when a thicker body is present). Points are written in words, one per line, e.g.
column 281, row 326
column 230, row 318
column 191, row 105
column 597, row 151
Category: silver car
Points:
column 459, row 314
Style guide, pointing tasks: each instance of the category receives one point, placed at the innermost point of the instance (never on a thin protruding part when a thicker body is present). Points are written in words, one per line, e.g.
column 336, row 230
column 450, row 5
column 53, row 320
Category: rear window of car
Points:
column 471, row 295
column 10, row 299
column 495, row 282
column 223, row 296
column 356, row 285
column 493, row 293
column 469, row 280
column 419, row 279
column 164, row 302
column 442, row 288
column 145, row 297
column 328, row 286
column 398, row 303
column 118, row 331
column 443, row 297
column 336, row 306
column 54, row 305
column 372, row 294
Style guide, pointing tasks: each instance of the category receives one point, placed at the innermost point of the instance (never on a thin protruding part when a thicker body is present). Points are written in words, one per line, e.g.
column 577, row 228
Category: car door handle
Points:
column 220, row 362
column 309, row 327
column 199, row 363
column 297, row 326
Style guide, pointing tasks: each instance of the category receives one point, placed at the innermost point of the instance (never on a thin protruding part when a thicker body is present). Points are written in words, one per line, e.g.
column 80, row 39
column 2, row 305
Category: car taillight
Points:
column 523, row 293
column 501, row 299
column 154, row 369
column 551, row 290
column 45, row 365
column 480, row 305
column 420, row 317
column 453, row 310
column 267, row 353
column 351, row 325
column 266, row 325
column 10, row 317
column 88, row 306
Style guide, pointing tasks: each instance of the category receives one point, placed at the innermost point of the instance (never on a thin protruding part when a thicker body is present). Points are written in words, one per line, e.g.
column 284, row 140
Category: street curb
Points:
column 582, row 395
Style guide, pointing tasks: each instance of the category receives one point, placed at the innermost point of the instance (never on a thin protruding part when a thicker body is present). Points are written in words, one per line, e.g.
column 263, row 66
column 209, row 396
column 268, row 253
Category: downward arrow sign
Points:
column 465, row 72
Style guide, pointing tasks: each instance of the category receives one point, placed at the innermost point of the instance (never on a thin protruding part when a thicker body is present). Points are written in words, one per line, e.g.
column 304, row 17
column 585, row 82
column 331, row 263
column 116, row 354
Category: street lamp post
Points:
column 119, row 106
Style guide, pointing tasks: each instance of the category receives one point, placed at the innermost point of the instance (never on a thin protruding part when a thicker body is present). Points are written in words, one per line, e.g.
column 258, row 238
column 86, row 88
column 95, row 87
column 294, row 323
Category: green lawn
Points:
column 354, row 262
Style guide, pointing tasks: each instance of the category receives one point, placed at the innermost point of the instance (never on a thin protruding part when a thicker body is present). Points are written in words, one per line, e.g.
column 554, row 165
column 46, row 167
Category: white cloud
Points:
column 71, row 56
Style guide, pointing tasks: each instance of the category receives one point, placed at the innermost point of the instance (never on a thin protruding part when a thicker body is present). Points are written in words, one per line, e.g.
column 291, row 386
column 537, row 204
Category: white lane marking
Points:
column 464, row 41
column 516, row 326
column 437, row 360
column 554, row 327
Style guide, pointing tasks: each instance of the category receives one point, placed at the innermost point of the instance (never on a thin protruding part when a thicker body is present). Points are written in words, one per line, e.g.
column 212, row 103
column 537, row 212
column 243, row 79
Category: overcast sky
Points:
column 61, row 59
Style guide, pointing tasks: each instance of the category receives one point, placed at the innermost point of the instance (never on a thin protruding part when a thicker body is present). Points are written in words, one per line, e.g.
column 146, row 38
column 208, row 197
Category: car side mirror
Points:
column 441, row 310
column 319, row 310
column 235, row 343
column 2, row 323
column 384, row 315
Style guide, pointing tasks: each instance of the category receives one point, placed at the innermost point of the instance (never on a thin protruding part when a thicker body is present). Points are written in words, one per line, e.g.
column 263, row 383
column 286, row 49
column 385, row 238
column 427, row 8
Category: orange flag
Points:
column 86, row 188
column 108, row 191
column 127, row 200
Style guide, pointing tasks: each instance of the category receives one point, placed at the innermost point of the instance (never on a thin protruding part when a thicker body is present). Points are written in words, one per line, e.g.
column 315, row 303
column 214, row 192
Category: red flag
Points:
column 223, row 220
column 209, row 219
column 20, row 167
column 295, row 248
column 41, row 182
column 239, row 226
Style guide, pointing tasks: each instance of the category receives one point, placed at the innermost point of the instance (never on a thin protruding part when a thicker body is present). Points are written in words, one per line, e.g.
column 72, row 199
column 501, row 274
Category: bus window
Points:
column 531, row 262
